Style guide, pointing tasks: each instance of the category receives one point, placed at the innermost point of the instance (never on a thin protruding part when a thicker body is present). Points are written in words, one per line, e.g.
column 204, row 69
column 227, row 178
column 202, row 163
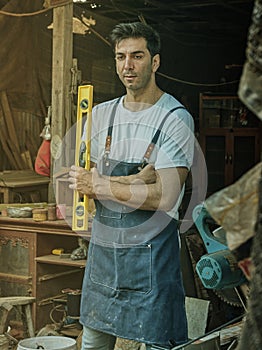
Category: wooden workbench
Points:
column 22, row 183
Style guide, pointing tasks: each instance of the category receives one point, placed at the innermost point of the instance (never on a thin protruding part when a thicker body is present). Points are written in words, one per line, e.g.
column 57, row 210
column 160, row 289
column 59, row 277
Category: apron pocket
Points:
column 110, row 210
column 123, row 269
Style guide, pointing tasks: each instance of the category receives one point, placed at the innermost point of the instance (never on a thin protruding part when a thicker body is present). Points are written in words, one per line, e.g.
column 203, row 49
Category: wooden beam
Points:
column 61, row 81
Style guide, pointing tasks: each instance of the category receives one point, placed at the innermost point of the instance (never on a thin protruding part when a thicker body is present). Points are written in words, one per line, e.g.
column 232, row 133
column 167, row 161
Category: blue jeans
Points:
column 96, row 340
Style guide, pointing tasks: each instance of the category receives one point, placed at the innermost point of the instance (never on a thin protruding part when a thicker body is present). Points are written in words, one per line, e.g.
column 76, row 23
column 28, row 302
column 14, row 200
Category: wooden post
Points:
column 61, row 84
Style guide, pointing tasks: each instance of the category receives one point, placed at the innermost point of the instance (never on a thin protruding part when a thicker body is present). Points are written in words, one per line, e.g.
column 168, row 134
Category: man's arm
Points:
column 161, row 195
column 132, row 191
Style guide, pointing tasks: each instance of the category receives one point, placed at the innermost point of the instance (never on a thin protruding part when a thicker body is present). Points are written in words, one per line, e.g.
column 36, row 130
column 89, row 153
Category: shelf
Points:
column 15, row 278
column 229, row 135
column 219, row 96
column 221, row 129
column 57, row 227
column 56, row 260
column 27, row 245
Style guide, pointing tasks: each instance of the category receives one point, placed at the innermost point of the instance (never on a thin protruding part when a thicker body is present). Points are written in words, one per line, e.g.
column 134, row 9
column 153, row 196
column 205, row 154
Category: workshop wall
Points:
column 188, row 66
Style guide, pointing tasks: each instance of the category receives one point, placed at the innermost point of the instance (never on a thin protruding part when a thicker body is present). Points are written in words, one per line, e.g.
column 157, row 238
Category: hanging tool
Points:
column 82, row 154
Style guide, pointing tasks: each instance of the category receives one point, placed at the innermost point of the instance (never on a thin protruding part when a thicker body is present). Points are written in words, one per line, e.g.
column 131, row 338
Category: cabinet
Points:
column 229, row 137
column 28, row 267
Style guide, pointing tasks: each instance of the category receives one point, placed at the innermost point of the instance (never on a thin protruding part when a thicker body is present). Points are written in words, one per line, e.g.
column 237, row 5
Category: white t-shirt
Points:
column 133, row 132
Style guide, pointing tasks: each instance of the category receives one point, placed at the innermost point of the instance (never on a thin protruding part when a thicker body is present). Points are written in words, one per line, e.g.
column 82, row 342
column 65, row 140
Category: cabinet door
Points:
column 16, row 262
column 215, row 150
column 245, row 152
column 229, row 154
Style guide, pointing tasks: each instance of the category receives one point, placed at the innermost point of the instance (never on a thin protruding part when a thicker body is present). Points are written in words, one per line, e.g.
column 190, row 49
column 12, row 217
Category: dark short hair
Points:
column 137, row 30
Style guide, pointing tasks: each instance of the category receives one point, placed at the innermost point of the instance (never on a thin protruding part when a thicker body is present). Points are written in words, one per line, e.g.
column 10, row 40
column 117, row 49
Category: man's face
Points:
column 134, row 64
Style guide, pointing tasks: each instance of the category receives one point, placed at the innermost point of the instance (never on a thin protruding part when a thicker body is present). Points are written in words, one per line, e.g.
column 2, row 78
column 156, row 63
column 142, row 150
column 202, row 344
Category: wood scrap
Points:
column 30, row 145
column 7, row 151
column 17, row 157
column 16, row 153
column 19, row 178
column 27, row 160
column 9, row 119
column 24, row 160
column 3, row 138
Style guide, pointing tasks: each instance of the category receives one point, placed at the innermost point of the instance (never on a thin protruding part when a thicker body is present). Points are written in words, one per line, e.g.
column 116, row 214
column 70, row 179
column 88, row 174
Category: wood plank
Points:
column 51, row 276
column 29, row 321
column 7, row 151
column 24, row 183
column 27, row 159
column 16, row 300
column 7, row 277
column 56, row 259
column 31, row 145
column 3, row 138
column 4, row 319
column 2, row 121
column 12, row 139
column 24, row 161
column 62, row 58
column 21, row 178
column 16, row 153
column 9, row 119
column 3, row 206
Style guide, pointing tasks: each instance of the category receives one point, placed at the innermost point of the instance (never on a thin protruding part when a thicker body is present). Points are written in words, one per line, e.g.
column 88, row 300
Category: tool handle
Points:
column 202, row 221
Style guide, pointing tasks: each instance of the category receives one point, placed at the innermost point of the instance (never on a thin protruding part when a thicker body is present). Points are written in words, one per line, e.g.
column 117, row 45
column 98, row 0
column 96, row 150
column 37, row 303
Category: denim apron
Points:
column 132, row 286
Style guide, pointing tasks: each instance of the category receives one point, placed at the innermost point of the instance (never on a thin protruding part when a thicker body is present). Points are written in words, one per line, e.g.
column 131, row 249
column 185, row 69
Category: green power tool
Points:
column 218, row 269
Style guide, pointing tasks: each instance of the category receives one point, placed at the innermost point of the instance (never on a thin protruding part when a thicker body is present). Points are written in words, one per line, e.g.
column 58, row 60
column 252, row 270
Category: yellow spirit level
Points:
column 82, row 153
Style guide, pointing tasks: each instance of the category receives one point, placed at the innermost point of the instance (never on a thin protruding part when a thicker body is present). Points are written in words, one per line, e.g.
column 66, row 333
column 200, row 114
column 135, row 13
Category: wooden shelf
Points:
column 57, row 227
column 229, row 147
column 57, row 260
column 34, row 271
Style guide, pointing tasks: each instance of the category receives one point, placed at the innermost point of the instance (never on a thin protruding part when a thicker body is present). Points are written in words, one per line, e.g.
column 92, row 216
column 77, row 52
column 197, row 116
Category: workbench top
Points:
column 21, row 178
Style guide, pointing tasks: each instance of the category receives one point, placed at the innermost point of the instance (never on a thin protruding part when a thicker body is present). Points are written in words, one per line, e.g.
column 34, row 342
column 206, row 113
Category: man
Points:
column 142, row 147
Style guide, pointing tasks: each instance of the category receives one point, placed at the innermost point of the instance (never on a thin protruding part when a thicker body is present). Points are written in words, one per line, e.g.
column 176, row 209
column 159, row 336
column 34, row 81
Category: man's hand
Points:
column 91, row 183
column 81, row 181
column 146, row 176
column 147, row 190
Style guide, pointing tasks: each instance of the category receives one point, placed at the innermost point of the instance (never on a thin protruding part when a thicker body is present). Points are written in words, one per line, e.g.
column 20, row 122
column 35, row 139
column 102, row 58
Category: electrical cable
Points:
column 196, row 84
column 58, row 309
column 6, row 13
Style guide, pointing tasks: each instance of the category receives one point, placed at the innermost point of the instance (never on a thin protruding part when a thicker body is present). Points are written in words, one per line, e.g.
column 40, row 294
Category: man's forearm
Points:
column 133, row 191
column 134, row 195
column 147, row 175
column 161, row 195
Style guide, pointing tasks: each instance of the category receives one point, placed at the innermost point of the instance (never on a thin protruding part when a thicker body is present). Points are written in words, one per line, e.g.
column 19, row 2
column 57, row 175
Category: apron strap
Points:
column 110, row 127
column 152, row 144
